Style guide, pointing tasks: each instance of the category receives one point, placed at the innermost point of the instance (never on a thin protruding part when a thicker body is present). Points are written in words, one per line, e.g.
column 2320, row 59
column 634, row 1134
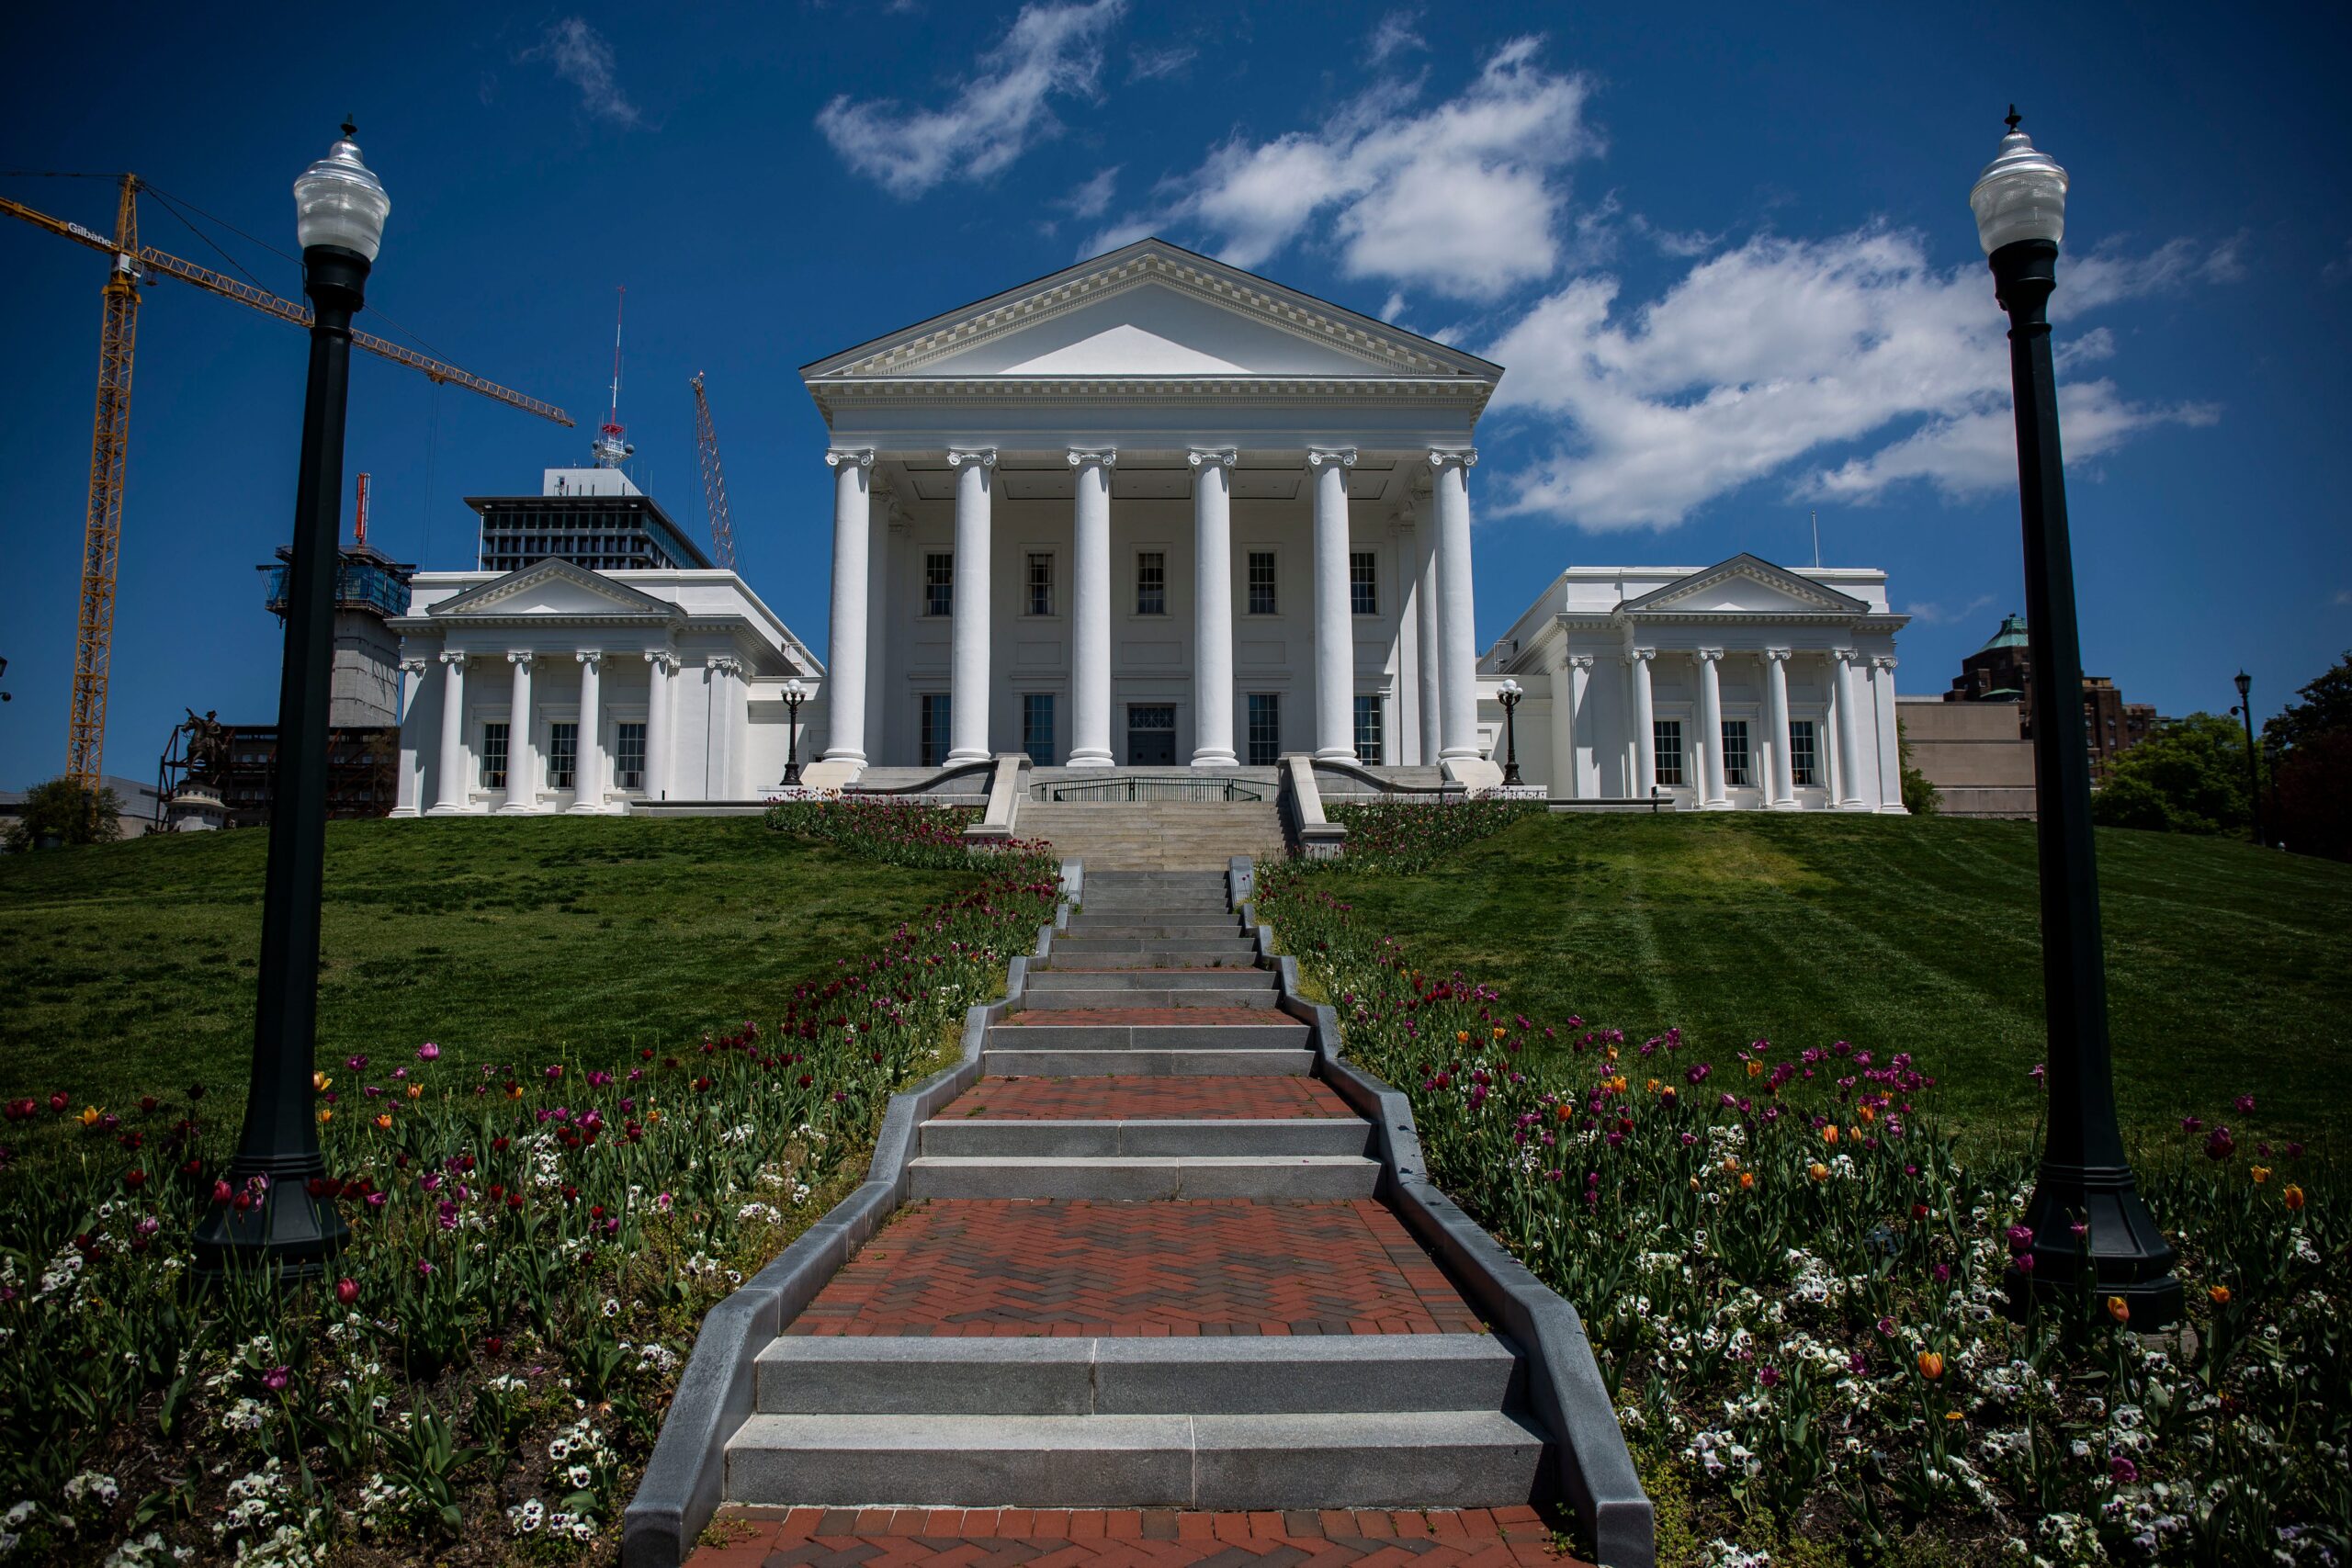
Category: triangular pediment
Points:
column 1150, row 310
column 551, row 587
column 1745, row 585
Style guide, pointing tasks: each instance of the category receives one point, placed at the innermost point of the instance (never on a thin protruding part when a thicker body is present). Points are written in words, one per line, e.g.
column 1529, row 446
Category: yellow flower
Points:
column 1829, row 1133
column 416, row 1091
column 383, row 1120
column 1499, row 1032
column 1931, row 1366
column 1755, row 1068
column 320, row 1082
column 2119, row 1309
column 90, row 1114
column 1818, row 1171
column 326, row 1113
column 2261, row 1173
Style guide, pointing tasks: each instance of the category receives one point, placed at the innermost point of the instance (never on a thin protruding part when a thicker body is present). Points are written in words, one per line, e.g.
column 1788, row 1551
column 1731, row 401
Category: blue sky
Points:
column 1726, row 258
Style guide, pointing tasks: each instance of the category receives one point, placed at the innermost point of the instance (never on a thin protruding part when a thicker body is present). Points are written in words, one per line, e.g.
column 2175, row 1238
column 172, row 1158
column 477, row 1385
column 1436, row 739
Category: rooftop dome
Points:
column 2011, row 635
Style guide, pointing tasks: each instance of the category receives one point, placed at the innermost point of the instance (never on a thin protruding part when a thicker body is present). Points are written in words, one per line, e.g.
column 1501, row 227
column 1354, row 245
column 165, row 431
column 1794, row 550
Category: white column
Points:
column 846, row 635
column 452, row 797
column 1710, row 723
column 967, row 731
column 408, row 790
column 1431, row 651
column 1889, row 745
column 877, row 630
column 1776, row 690
column 1564, row 728
column 1089, row 654
column 734, row 707
column 659, row 725
column 1335, row 637
column 588, row 748
column 1457, row 625
column 1645, row 722
column 522, row 781
column 1213, row 606
column 1850, row 758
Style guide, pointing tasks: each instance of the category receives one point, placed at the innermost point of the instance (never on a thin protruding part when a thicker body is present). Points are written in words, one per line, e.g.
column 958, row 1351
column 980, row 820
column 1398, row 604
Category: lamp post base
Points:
column 286, row 1231
column 2118, row 1252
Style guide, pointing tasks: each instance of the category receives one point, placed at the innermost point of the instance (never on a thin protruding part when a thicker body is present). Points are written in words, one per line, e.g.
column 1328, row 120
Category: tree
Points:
column 58, row 810
column 2313, row 773
column 1920, row 797
column 2187, row 777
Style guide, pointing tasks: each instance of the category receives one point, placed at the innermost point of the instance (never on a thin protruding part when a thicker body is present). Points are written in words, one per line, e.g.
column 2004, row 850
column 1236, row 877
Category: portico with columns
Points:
column 1740, row 686
column 1151, row 511
column 553, row 688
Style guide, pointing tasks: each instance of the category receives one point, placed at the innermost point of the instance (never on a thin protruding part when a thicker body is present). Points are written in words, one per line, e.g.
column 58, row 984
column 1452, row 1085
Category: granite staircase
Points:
column 1155, row 835
column 1144, row 1268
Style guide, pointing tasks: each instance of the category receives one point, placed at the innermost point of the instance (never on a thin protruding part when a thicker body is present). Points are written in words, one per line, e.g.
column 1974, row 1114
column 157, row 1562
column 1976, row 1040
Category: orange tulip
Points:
column 2261, row 1173
column 1499, row 1032
column 320, row 1082
column 1755, row 1068
column 416, row 1091
column 1564, row 1111
column 1746, row 1180
column 383, row 1120
column 2294, row 1196
column 1931, row 1366
column 326, row 1113
column 1866, row 1113
column 90, row 1114
column 1829, row 1133
column 2119, row 1309
column 1818, row 1171
column 1461, row 1037
column 2219, row 1295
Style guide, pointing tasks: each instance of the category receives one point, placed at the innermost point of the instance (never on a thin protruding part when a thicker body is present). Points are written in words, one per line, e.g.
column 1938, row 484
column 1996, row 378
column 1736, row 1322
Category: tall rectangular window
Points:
column 1368, row 731
column 1151, row 583
column 1736, row 774
column 939, row 583
column 563, row 754
column 1262, row 582
column 1363, row 583
column 1037, row 726
column 1041, row 583
column 1804, row 759
column 1667, row 750
column 1265, row 728
column 628, row 756
column 934, row 733
column 493, row 756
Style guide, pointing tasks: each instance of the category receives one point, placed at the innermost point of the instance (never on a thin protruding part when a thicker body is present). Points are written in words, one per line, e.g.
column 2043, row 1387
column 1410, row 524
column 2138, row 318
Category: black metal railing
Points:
column 1150, row 786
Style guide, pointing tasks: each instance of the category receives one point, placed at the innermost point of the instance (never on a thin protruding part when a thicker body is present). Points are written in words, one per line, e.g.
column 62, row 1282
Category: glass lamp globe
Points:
column 793, row 689
column 2021, row 194
column 338, row 201
column 1507, row 689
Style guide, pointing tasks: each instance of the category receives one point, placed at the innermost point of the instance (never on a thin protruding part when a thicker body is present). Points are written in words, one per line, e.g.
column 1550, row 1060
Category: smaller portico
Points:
column 1740, row 686
column 556, row 689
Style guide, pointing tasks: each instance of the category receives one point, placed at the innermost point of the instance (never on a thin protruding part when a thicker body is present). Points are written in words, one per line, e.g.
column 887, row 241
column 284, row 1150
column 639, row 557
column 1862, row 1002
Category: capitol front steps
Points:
column 1146, row 835
column 1143, row 1267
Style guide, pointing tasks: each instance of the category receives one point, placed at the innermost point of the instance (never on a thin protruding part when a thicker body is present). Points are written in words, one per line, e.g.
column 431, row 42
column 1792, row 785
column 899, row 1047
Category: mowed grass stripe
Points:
column 2230, row 968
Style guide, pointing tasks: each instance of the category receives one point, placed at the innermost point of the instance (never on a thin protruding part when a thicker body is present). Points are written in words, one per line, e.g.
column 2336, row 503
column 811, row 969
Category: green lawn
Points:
column 129, row 966
column 2228, row 969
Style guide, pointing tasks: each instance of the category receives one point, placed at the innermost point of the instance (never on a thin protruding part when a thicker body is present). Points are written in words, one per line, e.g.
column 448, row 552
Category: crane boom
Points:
column 110, row 437
column 714, row 482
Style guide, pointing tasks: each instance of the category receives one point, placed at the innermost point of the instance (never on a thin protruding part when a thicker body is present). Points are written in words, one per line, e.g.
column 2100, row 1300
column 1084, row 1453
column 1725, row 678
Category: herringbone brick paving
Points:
column 1201, row 1267
column 1146, row 1100
column 938, row 1538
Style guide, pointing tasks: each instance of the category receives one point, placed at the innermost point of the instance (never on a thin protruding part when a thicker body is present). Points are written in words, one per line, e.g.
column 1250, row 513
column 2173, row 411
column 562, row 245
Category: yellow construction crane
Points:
column 714, row 482
column 110, row 436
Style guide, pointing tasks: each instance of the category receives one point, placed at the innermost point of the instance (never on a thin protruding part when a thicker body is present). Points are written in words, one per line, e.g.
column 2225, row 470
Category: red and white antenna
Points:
column 611, row 445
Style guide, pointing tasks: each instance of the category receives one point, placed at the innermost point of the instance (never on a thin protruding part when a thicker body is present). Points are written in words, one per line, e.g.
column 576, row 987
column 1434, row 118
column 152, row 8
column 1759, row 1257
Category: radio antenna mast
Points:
column 611, row 445
column 1816, row 538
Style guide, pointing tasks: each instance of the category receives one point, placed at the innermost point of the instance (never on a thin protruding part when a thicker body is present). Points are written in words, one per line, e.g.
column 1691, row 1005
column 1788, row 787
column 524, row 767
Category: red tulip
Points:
column 346, row 1291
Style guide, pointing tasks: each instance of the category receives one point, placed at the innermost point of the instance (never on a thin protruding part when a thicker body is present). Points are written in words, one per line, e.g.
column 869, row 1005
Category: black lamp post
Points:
column 2085, row 1180
column 2252, row 771
column 274, row 1221
column 795, row 693
column 1509, row 694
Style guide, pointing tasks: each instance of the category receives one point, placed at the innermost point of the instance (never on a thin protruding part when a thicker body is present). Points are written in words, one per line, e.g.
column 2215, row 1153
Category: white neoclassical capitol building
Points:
column 1151, row 511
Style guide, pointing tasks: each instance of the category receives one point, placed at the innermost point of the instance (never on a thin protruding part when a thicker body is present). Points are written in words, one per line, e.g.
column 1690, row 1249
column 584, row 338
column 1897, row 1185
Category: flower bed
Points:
column 900, row 831
column 1402, row 839
column 1792, row 1283
column 532, row 1251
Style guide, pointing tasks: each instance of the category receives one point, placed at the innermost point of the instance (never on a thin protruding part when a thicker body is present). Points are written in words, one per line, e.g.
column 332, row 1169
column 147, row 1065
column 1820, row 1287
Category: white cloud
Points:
column 1397, row 34
column 1927, row 613
column 996, row 114
column 1150, row 64
column 1461, row 198
column 1088, row 200
column 583, row 57
column 1780, row 350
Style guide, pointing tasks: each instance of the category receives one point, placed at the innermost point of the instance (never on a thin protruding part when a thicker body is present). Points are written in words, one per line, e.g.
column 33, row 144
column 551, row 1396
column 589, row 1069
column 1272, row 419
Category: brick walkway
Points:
column 776, row 1538
column 1234, row 1266
column 1142, row 1100
column 1065, row 1018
